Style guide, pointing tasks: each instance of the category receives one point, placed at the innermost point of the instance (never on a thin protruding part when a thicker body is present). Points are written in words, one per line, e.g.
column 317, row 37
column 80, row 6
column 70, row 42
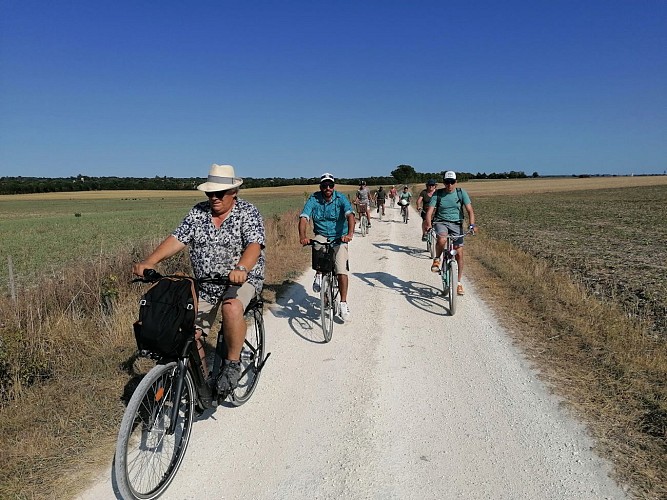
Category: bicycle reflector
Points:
column 159, row 394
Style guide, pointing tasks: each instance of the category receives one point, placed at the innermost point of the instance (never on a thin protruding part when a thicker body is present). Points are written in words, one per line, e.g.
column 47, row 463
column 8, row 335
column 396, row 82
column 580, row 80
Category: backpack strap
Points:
column 460, row 196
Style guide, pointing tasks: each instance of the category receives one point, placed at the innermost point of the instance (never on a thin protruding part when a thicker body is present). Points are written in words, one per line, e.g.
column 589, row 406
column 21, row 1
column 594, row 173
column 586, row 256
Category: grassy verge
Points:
column 610, row 368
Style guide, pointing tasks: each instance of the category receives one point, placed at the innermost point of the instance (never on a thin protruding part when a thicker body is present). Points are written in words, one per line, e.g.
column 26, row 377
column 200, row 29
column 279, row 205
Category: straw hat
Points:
column 220, row 178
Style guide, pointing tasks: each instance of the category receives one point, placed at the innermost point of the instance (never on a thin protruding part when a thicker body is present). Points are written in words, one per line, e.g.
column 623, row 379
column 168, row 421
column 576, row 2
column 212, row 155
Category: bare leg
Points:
column 459, row 261
column 342, row 286
column 234, row 328
column 200, row 349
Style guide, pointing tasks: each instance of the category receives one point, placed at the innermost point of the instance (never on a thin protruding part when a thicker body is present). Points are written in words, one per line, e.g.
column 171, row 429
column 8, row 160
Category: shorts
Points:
column 444, row 228
column 341, row 262
column 206, row 312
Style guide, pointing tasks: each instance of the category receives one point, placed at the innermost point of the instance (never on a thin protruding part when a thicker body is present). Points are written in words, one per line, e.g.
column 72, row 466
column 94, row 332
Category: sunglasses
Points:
column 217, row 194
column 327, row 185
column 450, row 181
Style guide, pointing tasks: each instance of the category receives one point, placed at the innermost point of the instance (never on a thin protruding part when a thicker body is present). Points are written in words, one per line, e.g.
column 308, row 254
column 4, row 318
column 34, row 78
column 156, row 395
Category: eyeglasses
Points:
column 217, row 194
column 450, row 181
column 327, row 185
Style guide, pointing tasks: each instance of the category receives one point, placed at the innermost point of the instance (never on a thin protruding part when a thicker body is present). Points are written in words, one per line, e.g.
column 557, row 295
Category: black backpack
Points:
column 167, row 313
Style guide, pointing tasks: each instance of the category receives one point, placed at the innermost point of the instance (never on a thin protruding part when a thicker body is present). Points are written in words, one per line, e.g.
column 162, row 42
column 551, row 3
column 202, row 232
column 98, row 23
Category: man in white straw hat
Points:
column 225, row 235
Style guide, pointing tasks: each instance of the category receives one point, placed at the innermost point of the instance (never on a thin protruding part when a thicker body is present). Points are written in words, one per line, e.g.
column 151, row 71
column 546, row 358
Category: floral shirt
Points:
column 214, row 250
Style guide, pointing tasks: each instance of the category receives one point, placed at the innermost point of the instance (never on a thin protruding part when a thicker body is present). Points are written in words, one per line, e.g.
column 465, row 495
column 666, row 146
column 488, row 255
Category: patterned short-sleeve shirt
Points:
column 218, row 250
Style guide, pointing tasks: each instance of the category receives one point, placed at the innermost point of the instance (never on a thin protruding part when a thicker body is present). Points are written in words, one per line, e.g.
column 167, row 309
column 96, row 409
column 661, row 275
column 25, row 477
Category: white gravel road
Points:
column 404, row 402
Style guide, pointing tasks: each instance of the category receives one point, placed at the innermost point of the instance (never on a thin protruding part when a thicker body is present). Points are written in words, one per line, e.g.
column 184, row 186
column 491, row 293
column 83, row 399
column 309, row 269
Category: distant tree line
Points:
column 403, row 174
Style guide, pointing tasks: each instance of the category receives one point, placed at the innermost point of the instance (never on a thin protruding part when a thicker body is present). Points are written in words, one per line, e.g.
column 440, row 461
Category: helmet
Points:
column 450, row 174
column 327, row 177
column 431, row 182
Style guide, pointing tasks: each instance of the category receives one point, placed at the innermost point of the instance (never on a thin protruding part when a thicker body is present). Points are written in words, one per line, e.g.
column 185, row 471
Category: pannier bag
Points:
column 323, row 258
column 167, row 313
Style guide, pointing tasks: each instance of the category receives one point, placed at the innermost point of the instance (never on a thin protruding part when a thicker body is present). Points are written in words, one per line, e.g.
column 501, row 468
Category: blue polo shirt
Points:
column 329, row 219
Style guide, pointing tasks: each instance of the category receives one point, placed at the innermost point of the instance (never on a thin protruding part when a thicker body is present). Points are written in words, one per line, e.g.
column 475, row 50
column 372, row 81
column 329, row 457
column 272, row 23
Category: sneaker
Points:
column 424, row 238
column 344, row 311
column 317, row 283
column 435, row 267
column 459, row 289
column 369, row 223
column 229, row 377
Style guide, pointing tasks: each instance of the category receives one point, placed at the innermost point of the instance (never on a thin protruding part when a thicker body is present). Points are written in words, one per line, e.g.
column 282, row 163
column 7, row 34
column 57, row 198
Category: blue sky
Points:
column 295, row 88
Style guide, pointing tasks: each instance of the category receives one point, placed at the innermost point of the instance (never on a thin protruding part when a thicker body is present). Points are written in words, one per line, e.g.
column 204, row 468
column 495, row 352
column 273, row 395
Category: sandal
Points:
column 435, row 268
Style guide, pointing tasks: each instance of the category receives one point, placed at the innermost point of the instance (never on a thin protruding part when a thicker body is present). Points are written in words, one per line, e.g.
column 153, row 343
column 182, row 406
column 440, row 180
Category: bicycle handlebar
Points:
column 152, row 276
column 326, row 243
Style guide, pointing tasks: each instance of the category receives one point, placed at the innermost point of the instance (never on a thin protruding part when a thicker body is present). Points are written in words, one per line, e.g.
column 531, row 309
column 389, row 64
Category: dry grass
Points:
column 608, row 368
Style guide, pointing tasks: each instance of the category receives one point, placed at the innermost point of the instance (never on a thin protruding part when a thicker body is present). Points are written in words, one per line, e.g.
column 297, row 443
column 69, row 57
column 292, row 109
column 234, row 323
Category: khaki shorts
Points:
column 206, row 312
column 341, row 262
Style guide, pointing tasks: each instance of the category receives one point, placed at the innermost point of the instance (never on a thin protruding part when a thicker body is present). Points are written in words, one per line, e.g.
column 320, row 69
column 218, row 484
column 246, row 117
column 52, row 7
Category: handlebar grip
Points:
column 151, row 275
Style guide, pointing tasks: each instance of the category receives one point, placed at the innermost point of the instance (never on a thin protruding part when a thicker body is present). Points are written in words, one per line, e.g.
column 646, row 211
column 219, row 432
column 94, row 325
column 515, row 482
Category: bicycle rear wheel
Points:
column 147, row 458
column 430, row 243
column 363, row 225
column 327, row 307
column 252, row 357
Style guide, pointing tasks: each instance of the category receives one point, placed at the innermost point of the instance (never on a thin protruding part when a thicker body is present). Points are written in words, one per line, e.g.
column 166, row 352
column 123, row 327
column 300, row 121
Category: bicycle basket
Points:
column 323, row 259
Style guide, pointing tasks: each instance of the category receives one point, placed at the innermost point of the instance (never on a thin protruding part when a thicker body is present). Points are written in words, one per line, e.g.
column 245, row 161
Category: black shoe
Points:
column 229, row 377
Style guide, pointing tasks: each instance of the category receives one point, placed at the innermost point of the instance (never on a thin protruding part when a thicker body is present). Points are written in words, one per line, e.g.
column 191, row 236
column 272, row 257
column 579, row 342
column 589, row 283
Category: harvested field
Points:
column 612, row 240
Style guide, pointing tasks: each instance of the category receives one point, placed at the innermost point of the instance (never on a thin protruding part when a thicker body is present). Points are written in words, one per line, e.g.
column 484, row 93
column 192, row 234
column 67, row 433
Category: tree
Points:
column 404, row 174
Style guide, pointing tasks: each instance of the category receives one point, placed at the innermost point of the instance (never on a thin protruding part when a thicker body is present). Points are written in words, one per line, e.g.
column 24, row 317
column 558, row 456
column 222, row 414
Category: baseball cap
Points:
column 450, row 174
column 327, row 177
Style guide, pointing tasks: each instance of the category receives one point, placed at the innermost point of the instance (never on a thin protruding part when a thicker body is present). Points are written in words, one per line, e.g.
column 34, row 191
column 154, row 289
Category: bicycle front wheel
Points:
column 430, row 244
column 327, row 307
column 405, row 214
column 147, row 457
column 252, row 357
column 452, row 277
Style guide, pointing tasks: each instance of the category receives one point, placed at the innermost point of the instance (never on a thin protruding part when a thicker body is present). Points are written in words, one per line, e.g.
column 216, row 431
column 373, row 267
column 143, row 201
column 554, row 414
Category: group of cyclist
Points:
column 226, row 235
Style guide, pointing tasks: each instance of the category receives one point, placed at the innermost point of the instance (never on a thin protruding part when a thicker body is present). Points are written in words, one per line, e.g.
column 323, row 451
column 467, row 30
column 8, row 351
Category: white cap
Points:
column 327, row 177
column 450, row 174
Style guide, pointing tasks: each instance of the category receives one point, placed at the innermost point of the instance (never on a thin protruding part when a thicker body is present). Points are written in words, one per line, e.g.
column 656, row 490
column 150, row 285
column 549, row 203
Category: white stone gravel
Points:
column 404, row 402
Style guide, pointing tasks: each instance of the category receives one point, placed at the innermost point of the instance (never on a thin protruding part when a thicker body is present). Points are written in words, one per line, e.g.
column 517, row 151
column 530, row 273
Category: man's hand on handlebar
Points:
column 346, row 239
column 138, row 268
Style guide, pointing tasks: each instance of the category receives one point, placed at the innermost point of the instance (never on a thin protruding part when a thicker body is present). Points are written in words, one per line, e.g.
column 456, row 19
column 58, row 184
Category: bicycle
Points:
column 156, row 426
column 449, row 271
column 324, row 262
column 404, row 212
column 380, row 210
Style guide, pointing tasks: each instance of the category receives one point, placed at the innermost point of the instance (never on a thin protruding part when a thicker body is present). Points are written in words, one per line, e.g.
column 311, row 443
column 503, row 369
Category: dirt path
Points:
column 403, row 403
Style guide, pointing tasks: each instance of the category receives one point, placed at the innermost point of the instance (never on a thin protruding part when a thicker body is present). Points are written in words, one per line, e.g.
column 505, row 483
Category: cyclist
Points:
column 363, row 201
column 422, row 203
column 445, row 213
column 225, row 235
column 333, row 218
column 392, row 195
column 380, row 197
column 404, row 198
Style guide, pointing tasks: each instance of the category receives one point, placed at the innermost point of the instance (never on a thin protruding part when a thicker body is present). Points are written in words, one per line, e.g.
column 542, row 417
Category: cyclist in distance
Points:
column 380, row 198
column 333, row 218
column 363, row 198
column 393, row 193
column 445, row 213
column 405, row 195
column 422, row 203
column 225, row 235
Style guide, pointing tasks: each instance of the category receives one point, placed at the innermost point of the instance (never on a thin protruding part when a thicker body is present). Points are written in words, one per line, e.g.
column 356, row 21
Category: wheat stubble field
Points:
column 565, row 262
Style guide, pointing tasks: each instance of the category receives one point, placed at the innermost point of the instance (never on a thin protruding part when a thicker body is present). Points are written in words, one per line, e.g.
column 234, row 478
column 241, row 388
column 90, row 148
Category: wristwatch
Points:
column 241, row 268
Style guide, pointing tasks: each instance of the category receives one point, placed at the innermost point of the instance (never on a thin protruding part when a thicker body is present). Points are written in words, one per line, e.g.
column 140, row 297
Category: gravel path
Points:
column 404, row 402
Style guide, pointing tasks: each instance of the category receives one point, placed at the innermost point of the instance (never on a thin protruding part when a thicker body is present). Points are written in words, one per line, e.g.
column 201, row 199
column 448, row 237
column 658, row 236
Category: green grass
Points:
column 40, row 236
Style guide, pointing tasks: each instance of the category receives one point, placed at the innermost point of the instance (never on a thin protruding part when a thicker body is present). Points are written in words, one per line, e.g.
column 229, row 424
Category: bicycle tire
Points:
column 147, row 458
column 405, row 214
column 327, row 308
column 451, row 271
column 363, row 225
column 430, row 244
column 252, row 357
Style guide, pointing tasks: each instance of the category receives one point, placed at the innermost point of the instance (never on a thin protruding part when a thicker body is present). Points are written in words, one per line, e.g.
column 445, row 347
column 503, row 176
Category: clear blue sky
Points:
column 295, row 88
